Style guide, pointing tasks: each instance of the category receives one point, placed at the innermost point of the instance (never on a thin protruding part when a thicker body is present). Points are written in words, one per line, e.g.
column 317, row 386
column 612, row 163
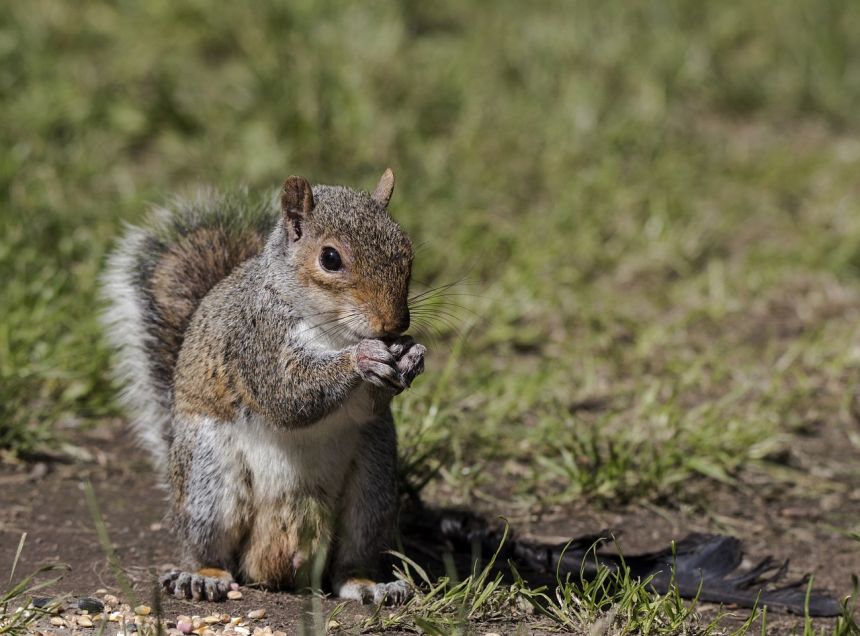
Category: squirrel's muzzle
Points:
column 395, row 324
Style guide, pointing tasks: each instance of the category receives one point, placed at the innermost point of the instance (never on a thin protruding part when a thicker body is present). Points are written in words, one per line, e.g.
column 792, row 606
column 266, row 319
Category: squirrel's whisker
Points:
column 446, row 304
column 435, row 289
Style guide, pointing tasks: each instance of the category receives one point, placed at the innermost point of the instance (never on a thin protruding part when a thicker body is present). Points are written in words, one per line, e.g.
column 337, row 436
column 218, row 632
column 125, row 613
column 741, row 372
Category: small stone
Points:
column 93, row 605
column 101, row 590
column 244, row 631
column 143, row 610
column 279, row 633
column 184, row 626
column 115, row 617
column 56, row 621
column 85, row 621
column 211, row 620
column 257, row 613
column 234, row 595
column 110, row 599
column 332, row 625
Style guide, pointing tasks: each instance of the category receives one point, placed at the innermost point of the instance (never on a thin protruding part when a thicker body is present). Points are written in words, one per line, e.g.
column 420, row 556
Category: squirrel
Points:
column 260, row 341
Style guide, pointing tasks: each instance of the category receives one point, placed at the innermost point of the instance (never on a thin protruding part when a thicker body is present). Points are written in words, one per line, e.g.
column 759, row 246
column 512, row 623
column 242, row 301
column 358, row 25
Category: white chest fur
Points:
column 313, row 459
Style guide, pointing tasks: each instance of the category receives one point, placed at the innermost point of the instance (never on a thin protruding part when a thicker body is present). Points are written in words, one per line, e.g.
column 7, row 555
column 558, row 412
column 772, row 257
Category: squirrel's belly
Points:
column 296, row 479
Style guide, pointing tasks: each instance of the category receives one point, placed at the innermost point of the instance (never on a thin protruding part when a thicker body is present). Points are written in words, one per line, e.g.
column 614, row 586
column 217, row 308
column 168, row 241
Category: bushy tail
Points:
column 153, row 282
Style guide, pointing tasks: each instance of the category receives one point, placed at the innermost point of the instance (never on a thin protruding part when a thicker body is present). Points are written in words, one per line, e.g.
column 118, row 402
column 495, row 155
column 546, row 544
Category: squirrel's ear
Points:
column 297, row 201
column 384, row 188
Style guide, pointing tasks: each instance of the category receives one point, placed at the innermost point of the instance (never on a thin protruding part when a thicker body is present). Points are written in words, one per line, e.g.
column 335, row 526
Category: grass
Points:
column 654, row 206
column 15, row 621
column 611, row 602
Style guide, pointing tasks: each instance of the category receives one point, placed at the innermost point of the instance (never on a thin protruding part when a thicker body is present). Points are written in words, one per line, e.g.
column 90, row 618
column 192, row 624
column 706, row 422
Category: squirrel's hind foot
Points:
column 364, row 591
column 196, row 586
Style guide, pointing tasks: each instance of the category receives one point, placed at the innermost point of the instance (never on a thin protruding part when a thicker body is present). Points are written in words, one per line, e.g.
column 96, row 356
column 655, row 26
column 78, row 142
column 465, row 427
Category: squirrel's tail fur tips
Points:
column 154, row 280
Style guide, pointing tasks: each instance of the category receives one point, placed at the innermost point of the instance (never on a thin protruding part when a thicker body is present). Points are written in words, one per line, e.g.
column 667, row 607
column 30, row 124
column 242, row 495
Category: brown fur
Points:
column 216, row 573
column 282, row 541
column 185, row 273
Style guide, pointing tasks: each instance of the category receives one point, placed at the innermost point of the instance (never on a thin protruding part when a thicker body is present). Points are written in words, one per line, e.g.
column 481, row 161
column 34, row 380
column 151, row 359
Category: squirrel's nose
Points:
column 397, row 324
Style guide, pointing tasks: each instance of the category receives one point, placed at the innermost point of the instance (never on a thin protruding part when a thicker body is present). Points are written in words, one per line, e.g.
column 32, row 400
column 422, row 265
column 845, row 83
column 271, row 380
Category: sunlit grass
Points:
column 651, row 211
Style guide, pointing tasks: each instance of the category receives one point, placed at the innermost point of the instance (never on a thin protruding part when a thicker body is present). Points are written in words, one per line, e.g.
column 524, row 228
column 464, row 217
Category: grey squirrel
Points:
column 260, row 340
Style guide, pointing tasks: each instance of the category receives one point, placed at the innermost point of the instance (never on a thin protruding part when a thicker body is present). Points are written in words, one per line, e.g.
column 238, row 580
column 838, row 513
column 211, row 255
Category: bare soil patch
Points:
column 46, row 500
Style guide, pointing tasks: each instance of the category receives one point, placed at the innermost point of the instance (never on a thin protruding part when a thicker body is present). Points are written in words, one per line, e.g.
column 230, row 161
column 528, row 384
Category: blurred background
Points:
column 650, row 210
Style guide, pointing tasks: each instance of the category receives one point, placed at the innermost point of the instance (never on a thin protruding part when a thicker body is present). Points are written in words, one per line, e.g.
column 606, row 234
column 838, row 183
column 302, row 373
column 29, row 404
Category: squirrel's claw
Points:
column 393, row 593
column 197, row 587
column 364, row 591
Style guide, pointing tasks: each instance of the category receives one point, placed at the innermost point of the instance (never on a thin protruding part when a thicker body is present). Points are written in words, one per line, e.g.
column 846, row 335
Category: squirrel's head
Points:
column 350, row 257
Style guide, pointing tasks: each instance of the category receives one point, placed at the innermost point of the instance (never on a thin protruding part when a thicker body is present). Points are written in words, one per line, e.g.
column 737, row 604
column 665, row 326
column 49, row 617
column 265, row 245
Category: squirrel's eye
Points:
column 330, row 259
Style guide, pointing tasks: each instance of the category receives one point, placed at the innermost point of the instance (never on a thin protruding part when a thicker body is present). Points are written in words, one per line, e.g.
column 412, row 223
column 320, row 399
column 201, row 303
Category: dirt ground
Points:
column 46, row 500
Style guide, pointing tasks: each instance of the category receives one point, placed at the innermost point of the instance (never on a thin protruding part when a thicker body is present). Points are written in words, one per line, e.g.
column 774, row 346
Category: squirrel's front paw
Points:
column 197, row 587
column 377, row 365
column 410, row 358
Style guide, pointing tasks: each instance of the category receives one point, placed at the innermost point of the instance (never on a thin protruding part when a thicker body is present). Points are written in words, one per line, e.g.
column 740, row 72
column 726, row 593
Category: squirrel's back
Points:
column 154, row 281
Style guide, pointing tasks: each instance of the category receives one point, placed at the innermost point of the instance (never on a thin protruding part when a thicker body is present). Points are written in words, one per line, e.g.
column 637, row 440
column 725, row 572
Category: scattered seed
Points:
column 279, row 633
column 56, row 621
column 332, row 625
column 110, row 599
column 244, row 631
column 211, row 620
column 88, row 604
column 85, row 621
column 115, row 617
column 142, row 610
column 234, row 595
column 257, row 613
